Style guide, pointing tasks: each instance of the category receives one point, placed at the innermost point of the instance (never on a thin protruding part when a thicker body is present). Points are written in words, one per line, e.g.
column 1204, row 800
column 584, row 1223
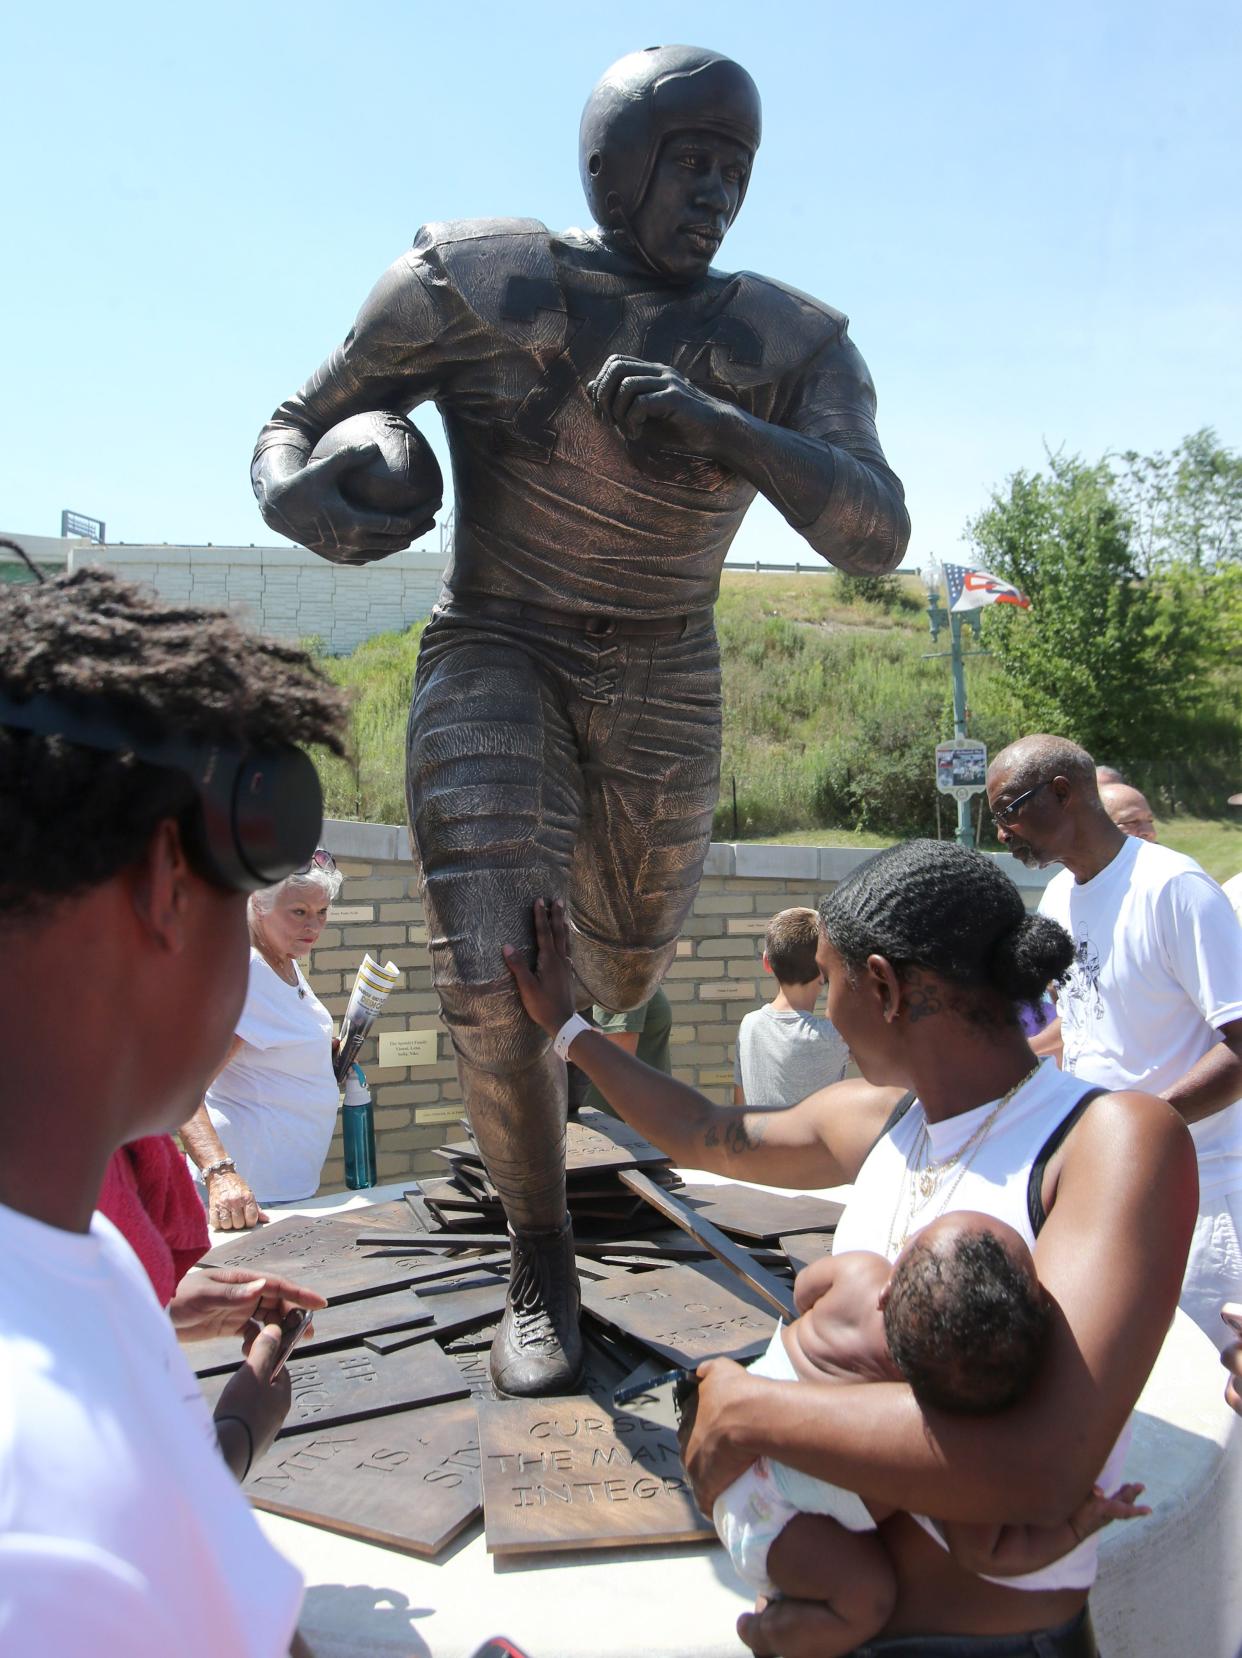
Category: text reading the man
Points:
column 577, row 1475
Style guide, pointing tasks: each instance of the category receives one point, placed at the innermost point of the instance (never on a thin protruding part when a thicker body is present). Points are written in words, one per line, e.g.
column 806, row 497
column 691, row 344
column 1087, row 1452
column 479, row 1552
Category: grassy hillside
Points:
column 832, row 709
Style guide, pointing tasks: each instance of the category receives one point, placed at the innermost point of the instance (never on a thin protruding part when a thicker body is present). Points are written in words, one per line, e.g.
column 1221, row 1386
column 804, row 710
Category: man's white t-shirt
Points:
column 274, row 1104
column 121, row 1529
column 1157, row 971
column 1232, row 889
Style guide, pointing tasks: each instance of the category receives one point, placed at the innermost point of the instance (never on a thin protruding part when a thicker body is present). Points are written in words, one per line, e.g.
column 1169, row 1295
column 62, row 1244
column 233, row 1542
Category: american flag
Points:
column 972, row 589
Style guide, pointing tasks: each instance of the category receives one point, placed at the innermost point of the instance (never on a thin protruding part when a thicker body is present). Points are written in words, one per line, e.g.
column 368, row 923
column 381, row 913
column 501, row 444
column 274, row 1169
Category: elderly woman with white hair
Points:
column 265, row 1124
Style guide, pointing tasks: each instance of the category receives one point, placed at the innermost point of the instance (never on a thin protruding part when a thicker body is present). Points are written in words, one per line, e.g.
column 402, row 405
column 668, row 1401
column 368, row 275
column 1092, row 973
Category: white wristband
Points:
column 573, row 1026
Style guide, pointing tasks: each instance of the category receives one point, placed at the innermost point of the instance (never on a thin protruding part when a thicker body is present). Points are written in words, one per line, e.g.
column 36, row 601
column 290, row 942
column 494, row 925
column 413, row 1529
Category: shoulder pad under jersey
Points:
column 482, row 258
column 446, row 233
column 781, row 296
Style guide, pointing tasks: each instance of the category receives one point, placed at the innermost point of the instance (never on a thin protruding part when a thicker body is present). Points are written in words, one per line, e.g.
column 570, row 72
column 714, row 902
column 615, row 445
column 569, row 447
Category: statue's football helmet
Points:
column 644, row 98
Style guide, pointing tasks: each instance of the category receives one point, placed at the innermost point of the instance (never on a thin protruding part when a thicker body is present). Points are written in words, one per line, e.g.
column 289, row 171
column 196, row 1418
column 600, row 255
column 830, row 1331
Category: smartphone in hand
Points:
column 292, row 1328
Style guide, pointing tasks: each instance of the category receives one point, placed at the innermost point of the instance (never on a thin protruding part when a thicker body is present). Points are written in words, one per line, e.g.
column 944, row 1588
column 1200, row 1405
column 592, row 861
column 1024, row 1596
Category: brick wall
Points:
column 717, row 975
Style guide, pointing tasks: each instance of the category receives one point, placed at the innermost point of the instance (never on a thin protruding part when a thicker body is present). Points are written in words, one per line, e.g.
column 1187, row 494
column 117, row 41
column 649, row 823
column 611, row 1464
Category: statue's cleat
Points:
column 538, row 1348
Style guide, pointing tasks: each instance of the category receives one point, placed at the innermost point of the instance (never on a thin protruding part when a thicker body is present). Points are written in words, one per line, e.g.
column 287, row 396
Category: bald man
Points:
column 1154, row 997
column 1128, row 809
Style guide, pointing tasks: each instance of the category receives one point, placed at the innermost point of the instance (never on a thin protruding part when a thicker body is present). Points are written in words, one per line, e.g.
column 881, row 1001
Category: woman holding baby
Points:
column 928, row 951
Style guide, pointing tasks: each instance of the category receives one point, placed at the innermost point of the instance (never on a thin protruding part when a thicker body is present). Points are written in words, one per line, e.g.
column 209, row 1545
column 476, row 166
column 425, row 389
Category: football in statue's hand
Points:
column 403, row 478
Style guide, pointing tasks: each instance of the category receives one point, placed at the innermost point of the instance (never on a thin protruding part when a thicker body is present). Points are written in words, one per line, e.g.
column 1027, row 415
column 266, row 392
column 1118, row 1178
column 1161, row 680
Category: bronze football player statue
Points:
column 612, row 404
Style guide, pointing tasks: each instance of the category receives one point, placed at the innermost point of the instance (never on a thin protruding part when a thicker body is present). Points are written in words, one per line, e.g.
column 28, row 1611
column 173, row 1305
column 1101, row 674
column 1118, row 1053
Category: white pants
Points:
column 1214, row 1266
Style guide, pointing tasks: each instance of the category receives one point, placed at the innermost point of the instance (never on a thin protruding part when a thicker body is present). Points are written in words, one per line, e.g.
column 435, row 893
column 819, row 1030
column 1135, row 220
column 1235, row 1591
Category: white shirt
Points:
column 121, row 1529
column 1157, row 972
column 1232, row 889
column 274, row 1104
column 885, row 1206
column 785, row 1055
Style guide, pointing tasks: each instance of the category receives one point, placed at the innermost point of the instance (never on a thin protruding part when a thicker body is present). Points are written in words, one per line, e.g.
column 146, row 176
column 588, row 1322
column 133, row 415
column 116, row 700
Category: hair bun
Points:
column 1029, row 957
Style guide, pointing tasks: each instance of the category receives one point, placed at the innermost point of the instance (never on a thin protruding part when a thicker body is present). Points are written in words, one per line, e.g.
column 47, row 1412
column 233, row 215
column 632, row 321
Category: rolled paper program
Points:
column 366, row 1002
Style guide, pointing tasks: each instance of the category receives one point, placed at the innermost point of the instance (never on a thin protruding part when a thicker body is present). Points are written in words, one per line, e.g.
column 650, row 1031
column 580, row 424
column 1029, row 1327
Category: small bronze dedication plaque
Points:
column 576, row 1474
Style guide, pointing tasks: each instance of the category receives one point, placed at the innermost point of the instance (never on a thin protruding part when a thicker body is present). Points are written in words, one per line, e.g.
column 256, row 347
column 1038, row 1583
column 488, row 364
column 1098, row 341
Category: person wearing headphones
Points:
column 148, row 783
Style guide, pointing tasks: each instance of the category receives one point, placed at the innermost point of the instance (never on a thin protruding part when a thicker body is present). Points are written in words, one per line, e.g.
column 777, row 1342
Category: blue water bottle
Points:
column 358, row 1130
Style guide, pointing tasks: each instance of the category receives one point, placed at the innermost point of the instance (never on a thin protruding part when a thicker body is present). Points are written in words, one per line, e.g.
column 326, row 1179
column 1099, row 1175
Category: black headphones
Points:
column 259, row 811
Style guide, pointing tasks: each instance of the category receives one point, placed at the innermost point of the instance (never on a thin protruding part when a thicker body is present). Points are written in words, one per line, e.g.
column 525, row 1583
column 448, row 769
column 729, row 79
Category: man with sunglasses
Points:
column 1153, row 1000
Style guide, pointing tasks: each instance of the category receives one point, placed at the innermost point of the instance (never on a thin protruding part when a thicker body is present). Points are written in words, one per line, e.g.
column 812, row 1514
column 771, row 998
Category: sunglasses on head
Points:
column 320, row 858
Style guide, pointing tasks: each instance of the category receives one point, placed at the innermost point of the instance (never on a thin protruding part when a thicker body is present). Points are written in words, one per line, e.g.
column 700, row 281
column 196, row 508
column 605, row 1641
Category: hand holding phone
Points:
column 292, row 1329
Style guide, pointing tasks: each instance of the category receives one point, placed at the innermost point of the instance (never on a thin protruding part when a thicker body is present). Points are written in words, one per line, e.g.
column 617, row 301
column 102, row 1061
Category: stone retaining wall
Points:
column 285, row 591
column 716, row 978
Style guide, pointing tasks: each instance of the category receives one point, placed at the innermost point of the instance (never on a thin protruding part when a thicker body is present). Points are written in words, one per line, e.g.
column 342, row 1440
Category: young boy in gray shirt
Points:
column 784, row 1050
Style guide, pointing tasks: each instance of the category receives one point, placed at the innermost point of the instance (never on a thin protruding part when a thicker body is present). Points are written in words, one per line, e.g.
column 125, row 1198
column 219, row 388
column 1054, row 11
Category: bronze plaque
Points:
column 752, row 1213
column 773, row 1290
column 343, row 1325
column 684, row 1314
column 456, row 1309
column 351, row 1385
column 378, row 1217
column 409, row 1479
column 596, row 1141
column 806, row 1247
column 575, row 1473
column 285, row 1246
column 319, row 1254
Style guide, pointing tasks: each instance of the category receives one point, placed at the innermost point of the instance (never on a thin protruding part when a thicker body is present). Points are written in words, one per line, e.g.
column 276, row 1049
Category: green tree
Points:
column 1104, row 656
column 1185, row 507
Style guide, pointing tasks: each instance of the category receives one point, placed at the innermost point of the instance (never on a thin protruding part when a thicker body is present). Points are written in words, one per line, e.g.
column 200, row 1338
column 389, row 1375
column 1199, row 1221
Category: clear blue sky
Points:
column 1030, row 214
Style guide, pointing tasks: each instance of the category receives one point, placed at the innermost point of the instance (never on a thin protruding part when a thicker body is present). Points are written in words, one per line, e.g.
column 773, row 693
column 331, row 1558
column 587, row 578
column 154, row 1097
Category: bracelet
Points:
column 573, row 1027
column 226, row 1165
column 245, row 1427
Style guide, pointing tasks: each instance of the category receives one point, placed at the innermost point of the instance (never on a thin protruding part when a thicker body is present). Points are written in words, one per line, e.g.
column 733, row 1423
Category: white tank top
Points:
column 884, row 1208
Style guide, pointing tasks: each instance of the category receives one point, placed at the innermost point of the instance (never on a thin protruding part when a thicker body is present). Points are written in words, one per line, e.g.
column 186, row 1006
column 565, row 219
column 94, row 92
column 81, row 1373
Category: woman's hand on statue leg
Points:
column 547, row 989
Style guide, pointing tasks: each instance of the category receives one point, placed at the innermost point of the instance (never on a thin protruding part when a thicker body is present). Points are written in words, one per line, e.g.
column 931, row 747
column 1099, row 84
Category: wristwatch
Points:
column 226, row 1165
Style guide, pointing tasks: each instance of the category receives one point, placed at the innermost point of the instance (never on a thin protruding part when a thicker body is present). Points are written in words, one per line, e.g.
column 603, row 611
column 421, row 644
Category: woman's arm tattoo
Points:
column 740, row 1134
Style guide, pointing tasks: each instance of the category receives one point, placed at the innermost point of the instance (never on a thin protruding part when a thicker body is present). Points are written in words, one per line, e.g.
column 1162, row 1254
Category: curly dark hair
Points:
column 965, row 1323
column 940, row 906
column 70, row 816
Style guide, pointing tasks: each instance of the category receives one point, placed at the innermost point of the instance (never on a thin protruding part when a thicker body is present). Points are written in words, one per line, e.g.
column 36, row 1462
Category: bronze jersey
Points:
column 503, row 325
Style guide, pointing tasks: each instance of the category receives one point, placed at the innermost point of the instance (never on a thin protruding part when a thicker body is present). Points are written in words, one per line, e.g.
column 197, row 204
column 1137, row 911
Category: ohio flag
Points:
column 972, row 589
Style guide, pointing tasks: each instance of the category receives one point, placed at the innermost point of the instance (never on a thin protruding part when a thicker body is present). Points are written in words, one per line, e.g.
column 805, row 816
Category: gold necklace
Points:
column 926, row 1176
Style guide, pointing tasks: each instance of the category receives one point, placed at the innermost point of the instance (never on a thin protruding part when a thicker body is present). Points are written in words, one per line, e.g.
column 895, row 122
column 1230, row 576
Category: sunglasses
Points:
column 320, row 858
column 1004, row 815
